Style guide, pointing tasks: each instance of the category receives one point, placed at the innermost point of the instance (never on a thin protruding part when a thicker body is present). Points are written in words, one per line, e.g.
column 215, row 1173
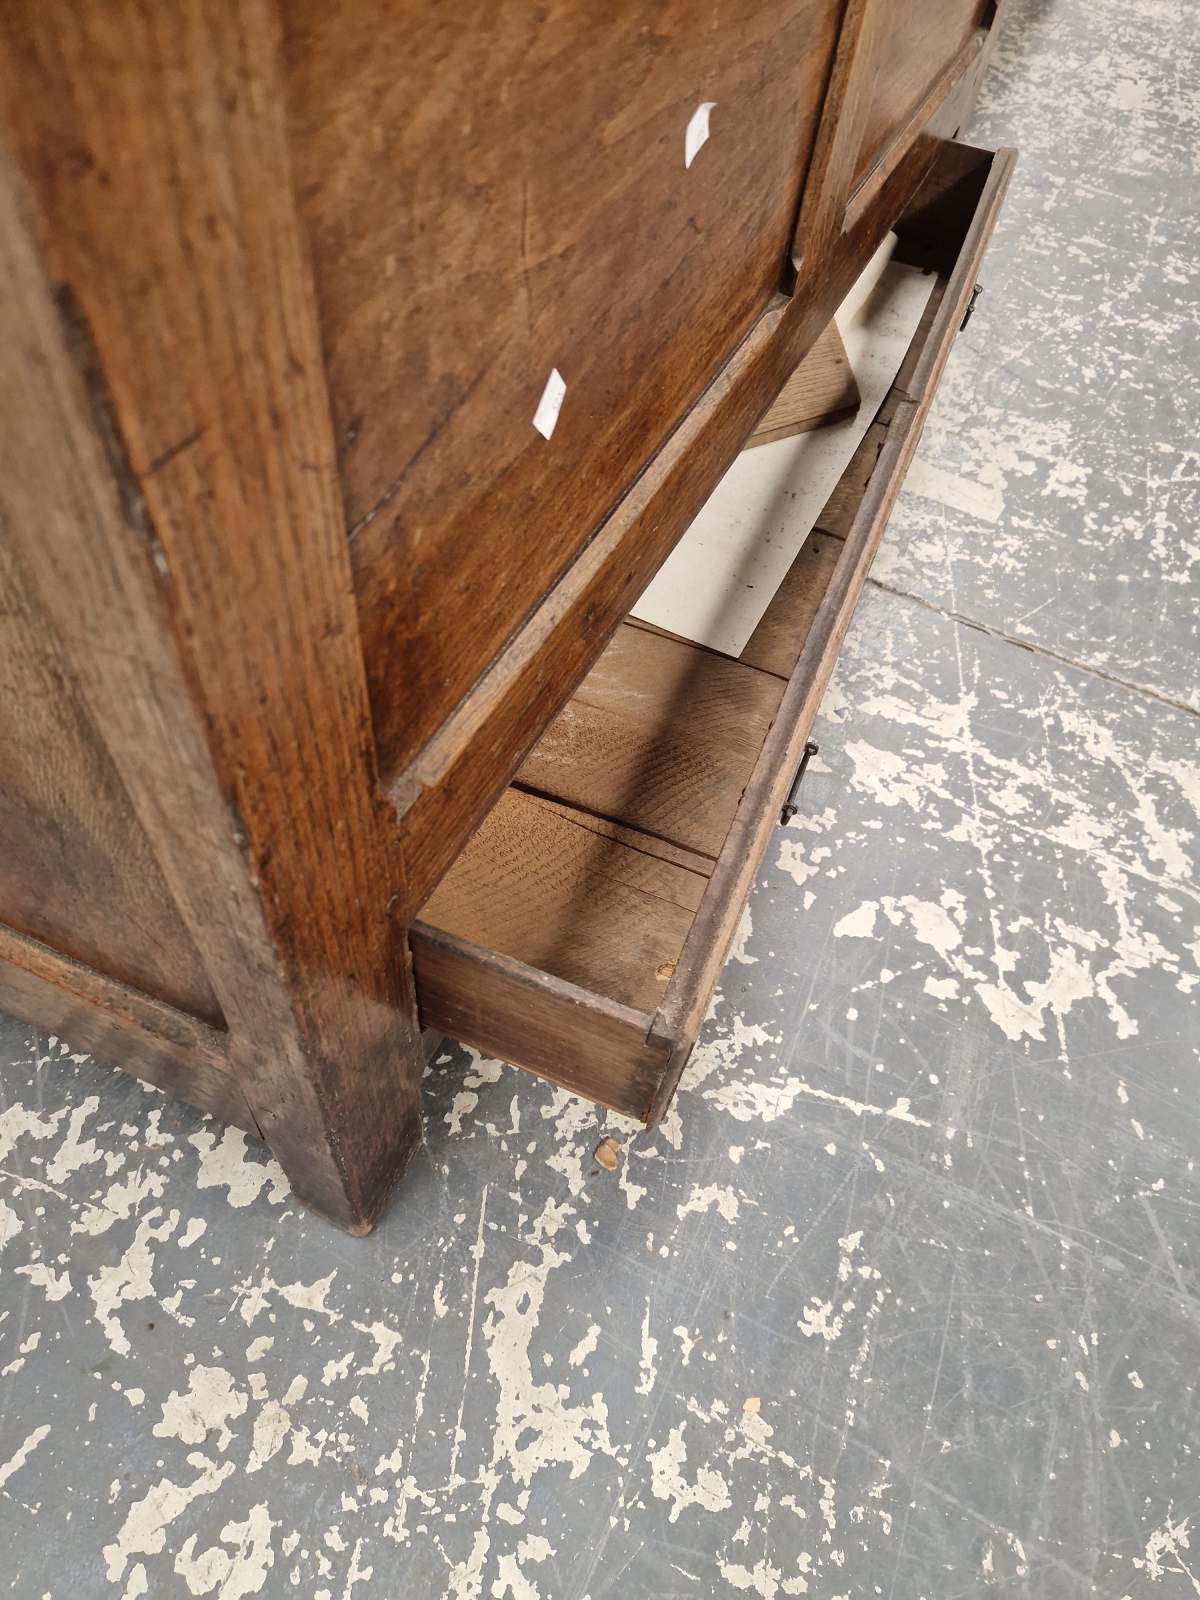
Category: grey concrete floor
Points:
column 903, row 1299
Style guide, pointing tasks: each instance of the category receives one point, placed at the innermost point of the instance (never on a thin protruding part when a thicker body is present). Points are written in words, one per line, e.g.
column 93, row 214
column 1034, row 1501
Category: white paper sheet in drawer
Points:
column 719, row 579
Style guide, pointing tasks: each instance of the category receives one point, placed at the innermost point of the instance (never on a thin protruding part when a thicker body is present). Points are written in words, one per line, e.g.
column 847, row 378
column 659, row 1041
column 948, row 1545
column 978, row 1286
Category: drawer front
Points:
column 581, row 931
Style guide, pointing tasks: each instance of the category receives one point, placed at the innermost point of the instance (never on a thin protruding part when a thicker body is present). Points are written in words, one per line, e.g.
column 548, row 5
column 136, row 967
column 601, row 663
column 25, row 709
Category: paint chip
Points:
column 979, row 500
column 546, row 416
column 751, row 1404
column 696, row 136
column 606, row 1154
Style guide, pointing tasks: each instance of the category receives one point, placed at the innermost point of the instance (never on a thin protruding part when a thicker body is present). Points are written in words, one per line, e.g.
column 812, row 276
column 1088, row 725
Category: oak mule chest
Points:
column 362, row 368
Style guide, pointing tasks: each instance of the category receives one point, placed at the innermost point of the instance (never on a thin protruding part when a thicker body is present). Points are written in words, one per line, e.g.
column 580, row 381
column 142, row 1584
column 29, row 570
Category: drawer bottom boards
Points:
column 582, row 929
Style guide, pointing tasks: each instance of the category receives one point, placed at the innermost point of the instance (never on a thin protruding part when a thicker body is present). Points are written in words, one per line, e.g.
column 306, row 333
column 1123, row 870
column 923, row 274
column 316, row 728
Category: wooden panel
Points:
column 905, row 74
column 939, row 113
column 118, row 1025
column 661, row 736
column 211, row 602
column 561, row 1032
column 76, row 868
column 776, row 643
column 967, row 93
column 538, row 884
column 515, row 200
column 820, row 391
column 851, row 84
column 678, row 1019
column 918, row 41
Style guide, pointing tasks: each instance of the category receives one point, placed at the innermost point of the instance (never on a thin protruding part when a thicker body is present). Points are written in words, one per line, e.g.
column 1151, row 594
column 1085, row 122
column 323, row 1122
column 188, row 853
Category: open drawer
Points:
column 582, row 929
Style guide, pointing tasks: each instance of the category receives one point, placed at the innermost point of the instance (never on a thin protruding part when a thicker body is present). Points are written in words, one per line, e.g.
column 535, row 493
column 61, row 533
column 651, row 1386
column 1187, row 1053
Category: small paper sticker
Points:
column 550, row 404
column 697, row 132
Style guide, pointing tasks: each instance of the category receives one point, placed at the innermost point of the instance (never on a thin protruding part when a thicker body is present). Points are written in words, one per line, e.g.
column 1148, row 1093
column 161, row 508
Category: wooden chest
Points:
column 321, row 717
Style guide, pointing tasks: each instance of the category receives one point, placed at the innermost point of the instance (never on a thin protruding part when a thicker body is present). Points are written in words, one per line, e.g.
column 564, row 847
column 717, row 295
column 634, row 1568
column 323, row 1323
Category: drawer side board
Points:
column 562, row 1033
column 684, row 1004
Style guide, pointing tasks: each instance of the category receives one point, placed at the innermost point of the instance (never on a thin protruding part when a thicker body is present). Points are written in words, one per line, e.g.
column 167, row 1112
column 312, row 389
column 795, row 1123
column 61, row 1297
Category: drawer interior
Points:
column 593, row 865
column 600, row 885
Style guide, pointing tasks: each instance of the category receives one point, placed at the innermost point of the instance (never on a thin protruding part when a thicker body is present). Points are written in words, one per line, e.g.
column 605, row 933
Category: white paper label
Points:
column 697, row 132
column 550, row 404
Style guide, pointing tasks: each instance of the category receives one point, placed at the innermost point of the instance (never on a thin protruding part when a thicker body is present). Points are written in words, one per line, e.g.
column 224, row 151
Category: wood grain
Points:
column 646, row 844
column 839, row 139
column 820, row 391
column 76, row 869
column 919, row 46
column 456, row 268
column 186, row 1074
column 914, row 355
column 897, row 68
column 840, row 509
column 660, row 736
column 967, row 93
column 541, row 886
column 901, row 138
column 154, row 142
column 116, row 1023
column 565, row 1034
column 776, row 643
